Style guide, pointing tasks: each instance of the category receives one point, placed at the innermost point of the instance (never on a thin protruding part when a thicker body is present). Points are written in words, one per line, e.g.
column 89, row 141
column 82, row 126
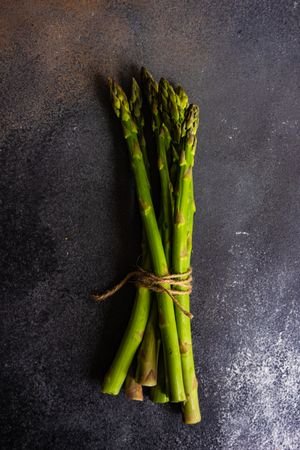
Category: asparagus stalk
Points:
column 133, row 390
column 181, row 261
column 158, row 393
column 166, row 314
column 190, row 221
column 147, row 359
column 140, row 313
column 167, row 208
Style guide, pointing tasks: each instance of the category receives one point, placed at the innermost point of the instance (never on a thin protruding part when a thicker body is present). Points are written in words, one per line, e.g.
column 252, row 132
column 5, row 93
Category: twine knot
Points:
column 181, row 283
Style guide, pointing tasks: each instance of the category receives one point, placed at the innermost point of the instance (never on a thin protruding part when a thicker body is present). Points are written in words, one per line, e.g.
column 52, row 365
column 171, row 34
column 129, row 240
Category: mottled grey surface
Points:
column 70, row 224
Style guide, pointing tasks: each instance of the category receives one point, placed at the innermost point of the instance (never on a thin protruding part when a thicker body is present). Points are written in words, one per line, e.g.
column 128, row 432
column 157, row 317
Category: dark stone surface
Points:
column 69, row 219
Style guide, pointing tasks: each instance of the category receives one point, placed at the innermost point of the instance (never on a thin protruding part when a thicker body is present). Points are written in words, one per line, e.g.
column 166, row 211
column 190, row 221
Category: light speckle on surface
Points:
column 263, row 380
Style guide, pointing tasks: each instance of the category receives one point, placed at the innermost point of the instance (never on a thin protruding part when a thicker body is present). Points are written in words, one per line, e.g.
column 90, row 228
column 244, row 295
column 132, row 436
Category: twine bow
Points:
column 181, row 284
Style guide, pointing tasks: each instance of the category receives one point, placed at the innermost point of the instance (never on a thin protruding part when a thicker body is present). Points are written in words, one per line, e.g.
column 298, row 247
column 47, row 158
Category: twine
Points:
column 181, row 284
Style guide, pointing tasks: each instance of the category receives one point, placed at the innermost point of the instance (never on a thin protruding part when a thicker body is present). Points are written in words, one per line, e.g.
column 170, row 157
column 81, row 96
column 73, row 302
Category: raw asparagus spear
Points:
column 137, row 323
column 133, row 390
column 158, row 393
column 181, row 261
column 147, row 358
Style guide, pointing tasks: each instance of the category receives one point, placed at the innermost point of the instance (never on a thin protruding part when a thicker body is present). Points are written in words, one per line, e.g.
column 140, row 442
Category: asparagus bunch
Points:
column 156, row 349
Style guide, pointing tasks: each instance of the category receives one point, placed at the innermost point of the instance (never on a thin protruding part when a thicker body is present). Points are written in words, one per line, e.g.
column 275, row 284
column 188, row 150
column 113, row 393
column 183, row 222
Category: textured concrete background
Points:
column 69, row 219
